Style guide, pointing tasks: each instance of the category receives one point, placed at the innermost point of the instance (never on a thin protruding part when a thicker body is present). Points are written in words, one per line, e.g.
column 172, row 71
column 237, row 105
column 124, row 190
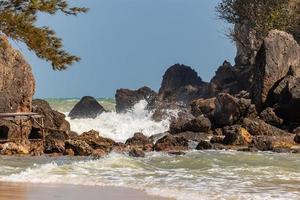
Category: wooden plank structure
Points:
column 23, row 117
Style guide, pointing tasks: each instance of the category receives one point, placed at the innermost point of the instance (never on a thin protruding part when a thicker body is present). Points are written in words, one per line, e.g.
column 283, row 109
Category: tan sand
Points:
column 18, row 191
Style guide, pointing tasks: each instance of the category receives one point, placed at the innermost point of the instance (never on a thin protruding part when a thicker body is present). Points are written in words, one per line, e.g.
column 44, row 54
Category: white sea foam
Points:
column 121, row 126
column 195, row 176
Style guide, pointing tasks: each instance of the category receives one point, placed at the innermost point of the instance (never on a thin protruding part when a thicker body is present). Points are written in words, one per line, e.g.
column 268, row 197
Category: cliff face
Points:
column 17, row 87
column 16, row 80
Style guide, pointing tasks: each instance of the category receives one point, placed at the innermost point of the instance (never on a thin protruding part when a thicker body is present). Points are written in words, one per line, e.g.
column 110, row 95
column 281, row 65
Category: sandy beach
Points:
column 24, row 191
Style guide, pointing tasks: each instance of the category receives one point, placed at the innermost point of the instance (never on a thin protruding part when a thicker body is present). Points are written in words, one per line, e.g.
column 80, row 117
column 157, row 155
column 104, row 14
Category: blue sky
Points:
column 130, row 43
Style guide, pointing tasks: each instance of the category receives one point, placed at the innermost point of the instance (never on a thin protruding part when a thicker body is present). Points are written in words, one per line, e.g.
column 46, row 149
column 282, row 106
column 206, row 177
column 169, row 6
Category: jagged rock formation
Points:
column 126, row 99
column 181, row 84
column 87, row 107
column 17, row 86
column 278, row 53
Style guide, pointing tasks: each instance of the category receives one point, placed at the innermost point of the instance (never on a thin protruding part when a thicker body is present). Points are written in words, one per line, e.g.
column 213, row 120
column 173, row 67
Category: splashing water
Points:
column 194, row 176
column 121, row 126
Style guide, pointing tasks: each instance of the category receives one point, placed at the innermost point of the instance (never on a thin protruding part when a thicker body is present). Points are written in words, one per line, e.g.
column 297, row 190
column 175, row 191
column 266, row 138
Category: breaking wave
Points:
column 121, row 126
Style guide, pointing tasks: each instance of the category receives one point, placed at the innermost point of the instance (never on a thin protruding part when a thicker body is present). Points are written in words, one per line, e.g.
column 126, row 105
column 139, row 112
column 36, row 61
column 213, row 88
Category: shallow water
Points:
column 196, row 175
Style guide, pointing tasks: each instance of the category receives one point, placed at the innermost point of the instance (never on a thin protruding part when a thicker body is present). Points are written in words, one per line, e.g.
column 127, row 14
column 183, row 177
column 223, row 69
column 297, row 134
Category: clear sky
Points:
column 130, row 43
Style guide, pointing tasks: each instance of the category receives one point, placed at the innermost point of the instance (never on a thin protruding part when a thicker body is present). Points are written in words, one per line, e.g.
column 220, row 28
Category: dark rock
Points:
column 95, row 141
column 270, row 117
column 277, row 54
column 55, row 142
column 141, row 141
column 87, row 107
column 259, row 127
column 230, row 110
column 199, row 124
column 171, row 143
column 204, row 145
column 9, row 131
column 79, row 147
column 217, row 139
column 236, row 135
column 54, row 121
column 181, row 84
column 126, row 99
column 155, row 137
column 273, row 143
column 297, row 138
column 231, row 80
column 287, row 98
column 204, row 107
column 134, row 152
column 17, row 84
column 194, row 136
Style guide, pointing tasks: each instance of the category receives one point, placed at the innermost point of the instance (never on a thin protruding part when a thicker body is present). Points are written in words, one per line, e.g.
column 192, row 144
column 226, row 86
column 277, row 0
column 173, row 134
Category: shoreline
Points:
column 31, row 191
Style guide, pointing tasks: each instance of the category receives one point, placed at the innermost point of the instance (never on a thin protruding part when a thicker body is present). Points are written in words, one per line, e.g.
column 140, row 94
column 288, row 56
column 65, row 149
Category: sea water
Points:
column 197, row 175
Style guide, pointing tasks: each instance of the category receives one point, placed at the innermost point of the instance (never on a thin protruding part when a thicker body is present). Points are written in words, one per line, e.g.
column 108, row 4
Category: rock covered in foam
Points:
column 87, row 107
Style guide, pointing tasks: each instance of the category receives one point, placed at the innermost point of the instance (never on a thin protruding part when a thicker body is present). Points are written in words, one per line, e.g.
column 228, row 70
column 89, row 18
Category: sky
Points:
column 130, row 44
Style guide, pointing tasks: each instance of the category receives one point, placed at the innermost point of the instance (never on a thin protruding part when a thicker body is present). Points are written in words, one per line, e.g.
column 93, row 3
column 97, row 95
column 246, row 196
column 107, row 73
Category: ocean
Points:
column 207, row 175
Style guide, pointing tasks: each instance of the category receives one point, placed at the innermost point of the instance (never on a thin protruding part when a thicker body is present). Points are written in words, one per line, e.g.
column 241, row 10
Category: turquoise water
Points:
column 65, row 105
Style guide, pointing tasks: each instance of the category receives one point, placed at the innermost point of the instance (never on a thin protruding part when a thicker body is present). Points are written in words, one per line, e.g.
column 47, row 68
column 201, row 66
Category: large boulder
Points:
column 270, row 117
column 181, row 84
column 277, row 54
column 139, row 140
column 230, row 110
column 17, row 84
column 55, row 142
column 126, row 99
column 204, row 107
column 95, row 141
column 87, row 107
column 231, row 79
column 171, row 143
column 259, row 127
column 199, row 124
column 79, row 147
column 273, row 143
column 54, row 121
column 286, row 96
column 236, row 135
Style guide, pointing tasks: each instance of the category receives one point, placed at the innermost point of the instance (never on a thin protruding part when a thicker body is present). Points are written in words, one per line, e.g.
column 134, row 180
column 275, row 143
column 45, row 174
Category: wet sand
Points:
column 24, row 191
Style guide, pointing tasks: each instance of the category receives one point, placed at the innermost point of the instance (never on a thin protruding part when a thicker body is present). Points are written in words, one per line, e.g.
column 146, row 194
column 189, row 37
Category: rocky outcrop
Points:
column 139, row 140
column 95, row 141
column 55, row 142
column 230, row 110
column 54, row 121
column 259, row 127
column 269, row 116
column 278, row 53
column 236, row 135
column 273, row 143
column 78, row 147
column 181, row 84
column 87, row 107
column 12, row 148
column 231, row 79
column 204, row 107
column 199, row 124
column 126, row 99
column 171, row 143
column 17, row 84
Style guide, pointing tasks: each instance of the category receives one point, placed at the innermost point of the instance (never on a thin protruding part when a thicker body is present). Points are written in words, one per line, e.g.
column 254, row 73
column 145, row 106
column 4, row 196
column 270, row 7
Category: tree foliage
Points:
column 18, row 22
column 262, row 15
